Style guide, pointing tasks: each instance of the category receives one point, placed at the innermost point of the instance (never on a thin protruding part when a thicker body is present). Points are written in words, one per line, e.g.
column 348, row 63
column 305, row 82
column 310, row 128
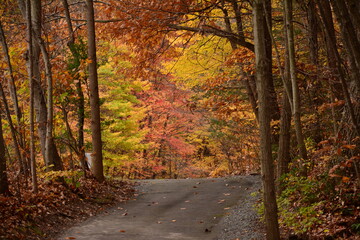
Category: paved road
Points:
column 168, row 209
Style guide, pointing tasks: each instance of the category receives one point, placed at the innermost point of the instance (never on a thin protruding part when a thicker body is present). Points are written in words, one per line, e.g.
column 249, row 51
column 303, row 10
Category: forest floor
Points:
column 209, row 208
column 57, row 207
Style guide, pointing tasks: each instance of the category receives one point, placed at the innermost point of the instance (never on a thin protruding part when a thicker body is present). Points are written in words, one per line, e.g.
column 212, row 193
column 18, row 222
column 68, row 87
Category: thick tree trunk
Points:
column 54, row 161
column 97, row 166
column 262, row 66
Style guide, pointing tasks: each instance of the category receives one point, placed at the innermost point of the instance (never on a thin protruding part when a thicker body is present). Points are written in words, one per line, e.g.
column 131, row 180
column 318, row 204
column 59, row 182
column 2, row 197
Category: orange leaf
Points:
column 349, row 146
column 345, row 179
column 339, row 151
column 70, row 238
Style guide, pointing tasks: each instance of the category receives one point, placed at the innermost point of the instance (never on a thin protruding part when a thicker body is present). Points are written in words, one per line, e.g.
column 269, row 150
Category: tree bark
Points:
column 80, row 101
column 331, row 39
column 4, row 183
column 11, row 84
column 97, row 166
column 53, row 162
column 31, row 85
column 294, row 86
column 349, row 36
column 262, row 65
column 22, row 163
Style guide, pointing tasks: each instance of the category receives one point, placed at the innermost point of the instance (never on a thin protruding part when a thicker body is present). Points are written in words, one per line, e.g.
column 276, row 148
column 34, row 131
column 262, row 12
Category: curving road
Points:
column 178, row 209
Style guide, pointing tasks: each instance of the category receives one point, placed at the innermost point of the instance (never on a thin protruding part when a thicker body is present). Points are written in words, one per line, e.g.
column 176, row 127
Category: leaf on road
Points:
column 122, row 231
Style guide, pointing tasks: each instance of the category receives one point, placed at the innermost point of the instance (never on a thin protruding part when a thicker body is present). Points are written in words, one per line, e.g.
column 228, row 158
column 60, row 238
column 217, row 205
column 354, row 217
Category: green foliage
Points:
column 69, row 176
column 299, row 204
column 123, row 112
column 78, row 54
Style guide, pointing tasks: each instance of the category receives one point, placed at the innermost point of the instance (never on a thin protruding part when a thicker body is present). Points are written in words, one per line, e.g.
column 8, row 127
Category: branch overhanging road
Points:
column 178, row 209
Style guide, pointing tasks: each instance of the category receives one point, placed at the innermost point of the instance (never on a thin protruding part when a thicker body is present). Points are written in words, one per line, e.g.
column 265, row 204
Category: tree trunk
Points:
column 32, row 128
column 80, row 101
column 54, row 161
column 325, row 13
column 312, row 32
column 22, row 163
column 274, row 106
column 262, row 65
column 294, row 86
column 97, row 166
column 11, row 84
column 4, row 183
column 349, row 36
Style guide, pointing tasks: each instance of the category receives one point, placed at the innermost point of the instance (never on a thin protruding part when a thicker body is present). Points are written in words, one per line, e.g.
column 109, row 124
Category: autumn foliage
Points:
column 179, row 99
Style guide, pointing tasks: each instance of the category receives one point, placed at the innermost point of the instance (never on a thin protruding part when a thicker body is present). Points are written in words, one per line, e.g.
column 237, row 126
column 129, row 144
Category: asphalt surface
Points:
column 178, row 209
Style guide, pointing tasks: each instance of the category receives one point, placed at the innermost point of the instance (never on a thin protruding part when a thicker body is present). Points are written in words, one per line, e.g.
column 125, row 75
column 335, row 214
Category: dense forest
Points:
column 135, row 89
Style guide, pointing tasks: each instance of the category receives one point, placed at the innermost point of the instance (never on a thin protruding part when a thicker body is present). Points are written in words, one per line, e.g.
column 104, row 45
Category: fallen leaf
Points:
column 122, row 231
column 173, row 220
column 70, row 238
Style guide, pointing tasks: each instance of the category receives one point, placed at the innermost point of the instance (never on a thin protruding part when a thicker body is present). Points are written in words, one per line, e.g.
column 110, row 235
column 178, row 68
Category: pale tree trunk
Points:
column 48, row 147
column 39, row 98
column 97, row 166
column 32, row 129
column 262, row 64
column 294, row 86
